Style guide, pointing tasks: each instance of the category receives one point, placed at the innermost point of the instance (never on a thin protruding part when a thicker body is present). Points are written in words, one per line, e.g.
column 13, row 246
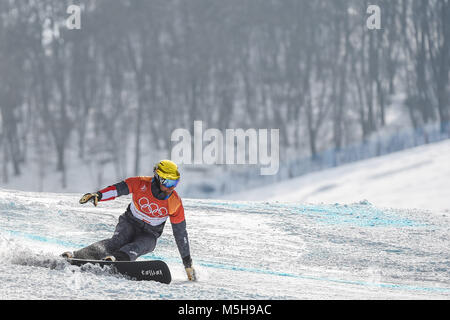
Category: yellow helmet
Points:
column 167, row 169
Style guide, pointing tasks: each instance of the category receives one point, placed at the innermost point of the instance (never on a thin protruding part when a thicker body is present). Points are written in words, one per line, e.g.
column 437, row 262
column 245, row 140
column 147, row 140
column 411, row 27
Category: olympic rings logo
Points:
column 152, row 208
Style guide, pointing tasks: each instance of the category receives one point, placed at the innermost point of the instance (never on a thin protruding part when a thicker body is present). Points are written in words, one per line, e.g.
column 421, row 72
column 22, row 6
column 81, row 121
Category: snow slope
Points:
column 241, row 250
column 414, row 178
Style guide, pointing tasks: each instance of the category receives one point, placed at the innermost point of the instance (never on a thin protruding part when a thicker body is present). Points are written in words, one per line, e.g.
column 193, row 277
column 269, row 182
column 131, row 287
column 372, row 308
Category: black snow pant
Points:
column 132, row 238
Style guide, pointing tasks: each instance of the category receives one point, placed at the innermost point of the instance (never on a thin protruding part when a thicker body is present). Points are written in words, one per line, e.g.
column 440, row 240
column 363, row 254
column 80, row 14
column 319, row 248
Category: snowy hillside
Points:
column 242, row 250
column 414, row 178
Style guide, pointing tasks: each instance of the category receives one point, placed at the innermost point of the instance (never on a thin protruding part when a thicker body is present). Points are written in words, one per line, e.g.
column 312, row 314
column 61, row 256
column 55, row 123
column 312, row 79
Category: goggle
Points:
column 168, row 183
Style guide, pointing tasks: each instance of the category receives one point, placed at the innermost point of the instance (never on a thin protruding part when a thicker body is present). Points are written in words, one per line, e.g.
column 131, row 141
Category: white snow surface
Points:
column 414, row 178
column 373, row 238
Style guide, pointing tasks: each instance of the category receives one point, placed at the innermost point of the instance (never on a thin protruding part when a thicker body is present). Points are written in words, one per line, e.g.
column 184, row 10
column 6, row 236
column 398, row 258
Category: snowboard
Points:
column 150, row 270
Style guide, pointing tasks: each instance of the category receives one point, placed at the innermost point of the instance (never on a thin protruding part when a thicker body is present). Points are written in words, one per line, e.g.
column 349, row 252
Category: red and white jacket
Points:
column 144, row 205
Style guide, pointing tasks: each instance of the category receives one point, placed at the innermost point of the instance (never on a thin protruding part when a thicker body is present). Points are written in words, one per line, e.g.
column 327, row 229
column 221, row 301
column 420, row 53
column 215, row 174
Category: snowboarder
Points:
column 153, row 201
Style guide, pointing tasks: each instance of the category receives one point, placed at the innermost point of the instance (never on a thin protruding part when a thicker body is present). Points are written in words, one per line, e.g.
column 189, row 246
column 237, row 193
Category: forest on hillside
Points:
column 137, row 70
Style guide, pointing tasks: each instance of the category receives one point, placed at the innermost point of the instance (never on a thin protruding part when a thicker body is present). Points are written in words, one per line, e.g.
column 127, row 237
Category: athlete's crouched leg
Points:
column 142, row 244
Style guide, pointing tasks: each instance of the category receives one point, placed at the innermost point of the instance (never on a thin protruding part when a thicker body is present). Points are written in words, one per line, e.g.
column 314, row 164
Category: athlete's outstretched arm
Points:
column 181, row 238
column 109, row 193
column 114, row 191
column 182, row 241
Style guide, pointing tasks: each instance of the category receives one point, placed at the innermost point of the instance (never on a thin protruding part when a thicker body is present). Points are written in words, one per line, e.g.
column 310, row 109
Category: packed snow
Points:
column 414, row 178
column 356, row 232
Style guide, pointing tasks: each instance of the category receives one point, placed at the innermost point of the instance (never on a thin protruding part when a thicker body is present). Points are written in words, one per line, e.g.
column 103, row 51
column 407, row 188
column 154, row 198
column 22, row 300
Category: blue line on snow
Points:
column 43, row 239
column 362, row 214
column 284, row 274
column 243, row 269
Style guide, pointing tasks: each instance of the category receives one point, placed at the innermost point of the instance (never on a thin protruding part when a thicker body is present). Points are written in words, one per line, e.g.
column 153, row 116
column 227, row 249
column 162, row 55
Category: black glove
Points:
column 93, row 197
